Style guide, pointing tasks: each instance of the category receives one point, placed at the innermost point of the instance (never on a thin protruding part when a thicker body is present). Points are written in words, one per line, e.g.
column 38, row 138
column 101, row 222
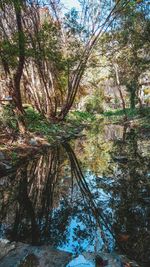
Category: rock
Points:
column 107, row 259
column 24, row 255
column 30, row 260
column 33, row 142
column 5, row 247
column 2, row 156
column 52, row 257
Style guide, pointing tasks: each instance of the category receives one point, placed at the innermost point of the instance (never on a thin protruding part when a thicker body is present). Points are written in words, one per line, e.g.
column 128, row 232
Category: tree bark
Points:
column 16, row 95
column 119, row 90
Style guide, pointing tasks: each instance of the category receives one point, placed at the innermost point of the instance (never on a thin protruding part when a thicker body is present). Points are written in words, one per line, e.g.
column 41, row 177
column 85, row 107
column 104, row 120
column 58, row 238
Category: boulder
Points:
column 24, row 255
column 5, row 247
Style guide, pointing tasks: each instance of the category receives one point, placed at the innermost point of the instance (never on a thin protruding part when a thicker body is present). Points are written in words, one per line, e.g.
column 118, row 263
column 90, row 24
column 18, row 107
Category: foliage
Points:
column 81, row 116
column 37, row 123
column 7, row 118
column 47, row 59
column 126, row 47
column 130, row 112
column 14, row 157
column 94, row 103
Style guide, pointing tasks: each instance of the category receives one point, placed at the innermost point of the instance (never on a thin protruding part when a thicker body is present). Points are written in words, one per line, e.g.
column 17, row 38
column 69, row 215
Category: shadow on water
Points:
column 91, row 195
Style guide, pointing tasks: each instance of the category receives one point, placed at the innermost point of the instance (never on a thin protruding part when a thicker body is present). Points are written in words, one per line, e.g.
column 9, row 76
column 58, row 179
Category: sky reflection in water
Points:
column 92, row 194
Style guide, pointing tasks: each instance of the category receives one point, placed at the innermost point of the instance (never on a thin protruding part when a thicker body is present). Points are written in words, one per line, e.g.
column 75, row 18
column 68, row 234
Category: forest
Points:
column 75, row 128
column 92, row 60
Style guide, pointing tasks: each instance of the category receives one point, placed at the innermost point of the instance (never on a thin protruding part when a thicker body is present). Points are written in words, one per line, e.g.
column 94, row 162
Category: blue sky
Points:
column 70, row 3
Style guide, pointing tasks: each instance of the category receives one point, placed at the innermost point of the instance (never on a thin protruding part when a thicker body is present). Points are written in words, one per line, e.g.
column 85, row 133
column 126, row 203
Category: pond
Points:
column 91, row 194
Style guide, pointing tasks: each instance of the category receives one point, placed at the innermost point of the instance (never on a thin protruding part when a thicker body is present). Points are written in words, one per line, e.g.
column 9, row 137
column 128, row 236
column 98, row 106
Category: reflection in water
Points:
column 103, row 206
column 133, row 190
column 32, row 202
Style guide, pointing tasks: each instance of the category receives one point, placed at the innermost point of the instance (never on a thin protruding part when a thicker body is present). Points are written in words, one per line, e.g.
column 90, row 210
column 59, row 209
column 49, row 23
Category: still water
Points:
column 91, row 194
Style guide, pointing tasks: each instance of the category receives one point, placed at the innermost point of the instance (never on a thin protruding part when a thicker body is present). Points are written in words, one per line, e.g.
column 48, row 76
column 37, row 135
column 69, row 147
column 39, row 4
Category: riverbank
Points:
column 41, row 134
column 24, row 255
column 139, row 118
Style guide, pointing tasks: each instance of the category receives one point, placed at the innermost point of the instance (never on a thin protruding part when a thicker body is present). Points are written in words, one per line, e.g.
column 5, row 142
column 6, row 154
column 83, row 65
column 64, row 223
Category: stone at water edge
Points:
column 109, row 260
column 5, row 247
column 112, row 260
column 2, row 156
column 23, row 255
column 89, row 260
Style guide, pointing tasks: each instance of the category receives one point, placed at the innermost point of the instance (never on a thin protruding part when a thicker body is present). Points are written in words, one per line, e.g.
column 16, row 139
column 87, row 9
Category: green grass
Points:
column 80, row 116
column 7, row 118
column 129, row 112
column 36, row 123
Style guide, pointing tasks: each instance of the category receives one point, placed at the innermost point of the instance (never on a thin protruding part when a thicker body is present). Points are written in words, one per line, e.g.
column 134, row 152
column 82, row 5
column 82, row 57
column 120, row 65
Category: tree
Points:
column 96, row 30
column 13, row 41
column 127, row 49
column 77, row 36
column 51, row 54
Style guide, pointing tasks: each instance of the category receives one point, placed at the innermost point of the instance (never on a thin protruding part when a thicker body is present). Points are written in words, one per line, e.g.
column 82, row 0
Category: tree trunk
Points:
column 132, row 99
column 132, row 89
column 139, row 99
column 119, row 90
column 18, row 110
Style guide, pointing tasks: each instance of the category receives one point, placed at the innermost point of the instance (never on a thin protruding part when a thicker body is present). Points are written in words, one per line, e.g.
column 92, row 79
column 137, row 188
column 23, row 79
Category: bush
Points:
column 7, row 117
column 80, row 116
column 35, row 121
column 94, row 103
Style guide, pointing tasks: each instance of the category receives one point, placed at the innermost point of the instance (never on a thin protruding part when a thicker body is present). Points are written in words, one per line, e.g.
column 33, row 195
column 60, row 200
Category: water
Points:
column 92, row 194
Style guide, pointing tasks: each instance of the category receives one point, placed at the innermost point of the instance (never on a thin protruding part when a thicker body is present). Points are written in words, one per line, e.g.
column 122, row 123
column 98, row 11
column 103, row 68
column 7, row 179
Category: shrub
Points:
column 7, row 117
column 94, row 103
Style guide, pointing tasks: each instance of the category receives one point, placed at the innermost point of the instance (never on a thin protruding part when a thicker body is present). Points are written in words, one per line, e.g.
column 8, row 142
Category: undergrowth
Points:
column 137, row 112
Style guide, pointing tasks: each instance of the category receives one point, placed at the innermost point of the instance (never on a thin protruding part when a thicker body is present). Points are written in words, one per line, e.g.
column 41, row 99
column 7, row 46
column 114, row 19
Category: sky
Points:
column 70, row 3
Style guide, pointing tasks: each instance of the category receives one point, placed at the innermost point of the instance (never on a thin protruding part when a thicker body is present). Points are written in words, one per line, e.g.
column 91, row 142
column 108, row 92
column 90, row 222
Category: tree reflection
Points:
column 130, row 196
column 132, row 211
column 53, row 200
column 47, row 199
column 30, row 201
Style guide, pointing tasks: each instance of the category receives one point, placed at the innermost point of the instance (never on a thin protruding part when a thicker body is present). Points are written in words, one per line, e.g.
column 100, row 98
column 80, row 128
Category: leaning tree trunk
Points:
column 74, row 83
